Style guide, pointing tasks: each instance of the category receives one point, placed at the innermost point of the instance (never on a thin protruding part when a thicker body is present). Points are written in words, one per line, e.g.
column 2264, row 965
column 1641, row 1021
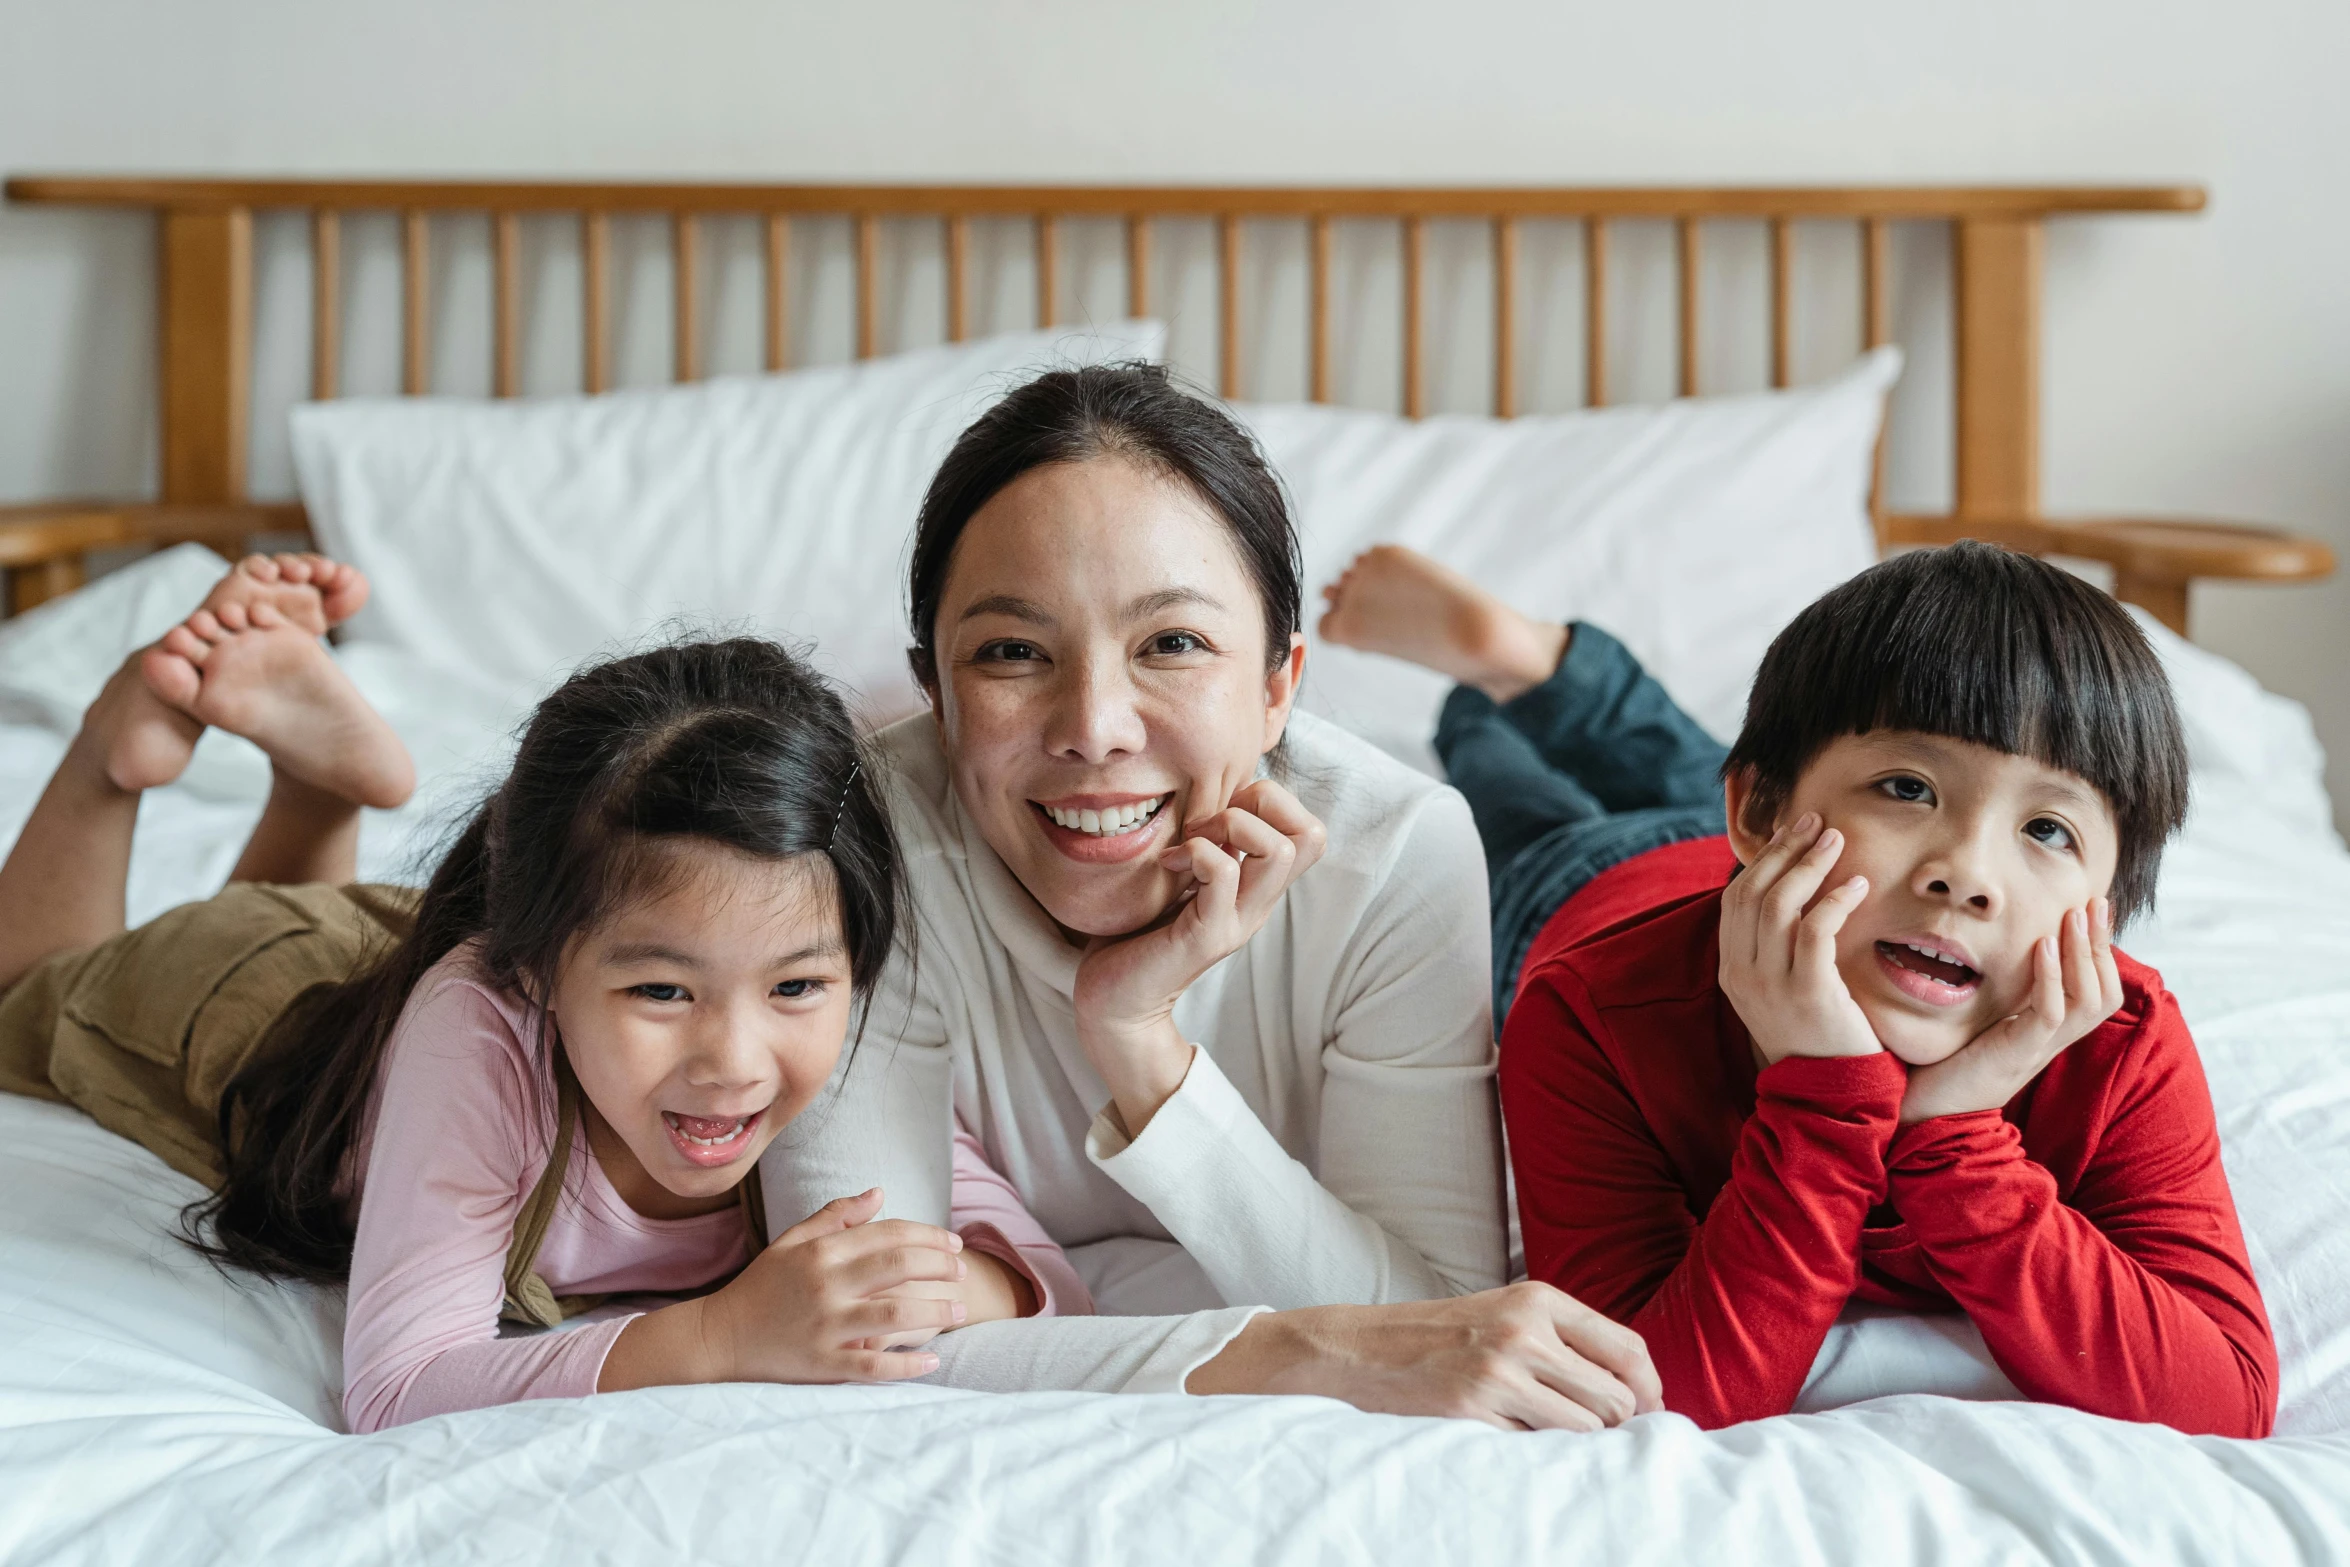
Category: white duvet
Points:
column 153, row 1410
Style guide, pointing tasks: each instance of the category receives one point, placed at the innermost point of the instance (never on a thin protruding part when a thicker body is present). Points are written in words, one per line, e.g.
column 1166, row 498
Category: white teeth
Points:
column 712, row 1142
column 1106, row 824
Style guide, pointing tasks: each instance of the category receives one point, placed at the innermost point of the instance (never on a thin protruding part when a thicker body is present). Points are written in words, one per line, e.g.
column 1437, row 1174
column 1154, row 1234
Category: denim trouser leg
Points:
column 1591, row 768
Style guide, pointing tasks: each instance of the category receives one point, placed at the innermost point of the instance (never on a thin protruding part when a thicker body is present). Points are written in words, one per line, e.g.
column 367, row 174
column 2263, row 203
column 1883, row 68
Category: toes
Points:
column 265, row 617
column 232, row 616
column 259, row 567
column 206, row 625
column 168, row 672
column 296, row 568
column 183, row 643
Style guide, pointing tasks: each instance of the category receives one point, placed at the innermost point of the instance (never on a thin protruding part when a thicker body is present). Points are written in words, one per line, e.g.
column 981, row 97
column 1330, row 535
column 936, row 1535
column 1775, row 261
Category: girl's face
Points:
column 1102, row 681
column 701, row 1020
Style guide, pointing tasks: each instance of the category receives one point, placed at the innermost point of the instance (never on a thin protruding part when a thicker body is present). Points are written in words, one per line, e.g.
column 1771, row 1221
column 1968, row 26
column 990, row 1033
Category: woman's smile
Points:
column 1105, row 829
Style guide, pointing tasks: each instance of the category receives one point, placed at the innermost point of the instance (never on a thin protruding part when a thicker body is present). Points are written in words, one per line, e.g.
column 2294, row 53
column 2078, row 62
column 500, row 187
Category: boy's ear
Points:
column 1750, row 827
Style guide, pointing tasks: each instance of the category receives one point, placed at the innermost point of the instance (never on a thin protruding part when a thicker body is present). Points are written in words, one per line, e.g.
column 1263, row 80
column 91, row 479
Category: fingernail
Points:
column 1830, row 838
column 929, row 1364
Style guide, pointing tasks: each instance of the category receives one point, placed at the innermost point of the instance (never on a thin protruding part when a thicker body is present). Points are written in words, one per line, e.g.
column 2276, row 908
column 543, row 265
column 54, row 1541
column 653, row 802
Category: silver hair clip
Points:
column 841, row 805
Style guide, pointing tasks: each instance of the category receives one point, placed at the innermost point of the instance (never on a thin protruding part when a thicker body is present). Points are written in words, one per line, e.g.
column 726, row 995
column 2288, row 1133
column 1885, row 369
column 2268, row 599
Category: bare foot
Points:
column 273, row 682
column 1398, row 602
column 309, row 590
column 136, row 738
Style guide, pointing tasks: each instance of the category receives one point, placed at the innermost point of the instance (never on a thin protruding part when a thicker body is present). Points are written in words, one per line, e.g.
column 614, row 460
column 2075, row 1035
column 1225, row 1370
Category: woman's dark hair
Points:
column 735, row 743
column 1981, row 644
column 1135, row 411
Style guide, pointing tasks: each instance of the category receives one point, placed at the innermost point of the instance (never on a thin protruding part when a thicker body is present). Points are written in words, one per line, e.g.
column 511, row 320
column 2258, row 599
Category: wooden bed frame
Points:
column 206, row 324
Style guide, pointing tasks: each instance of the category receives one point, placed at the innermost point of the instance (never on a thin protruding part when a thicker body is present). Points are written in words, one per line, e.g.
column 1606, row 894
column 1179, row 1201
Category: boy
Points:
column 1872, row 1041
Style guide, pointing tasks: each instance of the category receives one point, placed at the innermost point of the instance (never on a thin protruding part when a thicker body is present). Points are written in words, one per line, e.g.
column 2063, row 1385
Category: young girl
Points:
column 541, row 1082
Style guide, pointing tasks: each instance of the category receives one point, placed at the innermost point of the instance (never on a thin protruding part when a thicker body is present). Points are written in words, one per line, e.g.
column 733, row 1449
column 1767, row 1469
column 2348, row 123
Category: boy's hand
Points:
column 2075, row 987
column 1779, row 962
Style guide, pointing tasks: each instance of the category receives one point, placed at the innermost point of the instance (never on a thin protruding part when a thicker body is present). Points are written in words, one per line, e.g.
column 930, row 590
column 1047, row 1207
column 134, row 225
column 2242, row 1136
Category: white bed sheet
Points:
column 153, row 1410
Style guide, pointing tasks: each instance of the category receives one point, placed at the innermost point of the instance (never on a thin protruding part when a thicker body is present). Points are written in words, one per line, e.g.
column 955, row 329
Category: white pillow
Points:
column 511, row 541
column 1692, row 531
column 57, row 657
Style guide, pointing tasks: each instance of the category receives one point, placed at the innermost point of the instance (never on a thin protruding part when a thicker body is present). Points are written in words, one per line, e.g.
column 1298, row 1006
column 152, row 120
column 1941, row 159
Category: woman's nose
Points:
column 1094, row 714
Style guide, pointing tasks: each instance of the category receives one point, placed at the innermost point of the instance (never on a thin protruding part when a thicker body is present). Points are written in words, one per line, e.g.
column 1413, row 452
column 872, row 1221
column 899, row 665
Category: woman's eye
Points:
column 2048, row 831
column 1008, row 651
column 658, row 992
column 1170, row 644
column 794, row 989
column 1908, row 790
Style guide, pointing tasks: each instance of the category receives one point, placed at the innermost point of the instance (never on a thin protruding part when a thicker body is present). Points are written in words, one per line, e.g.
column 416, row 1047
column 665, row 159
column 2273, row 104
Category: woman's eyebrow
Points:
column 1009, row 604
column 1167, row 598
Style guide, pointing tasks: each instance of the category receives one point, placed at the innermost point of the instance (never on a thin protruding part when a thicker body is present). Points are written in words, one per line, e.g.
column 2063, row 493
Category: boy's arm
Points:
column 2135, row 1300
column 1734, row 1306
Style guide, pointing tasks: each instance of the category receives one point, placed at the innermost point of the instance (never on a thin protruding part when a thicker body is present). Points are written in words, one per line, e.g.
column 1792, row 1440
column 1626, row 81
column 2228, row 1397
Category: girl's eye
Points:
column 794, row 989
column 1908, row 790
column 1008, row 651
column 1173, row 644
column 657, row 991
column 2049, row 832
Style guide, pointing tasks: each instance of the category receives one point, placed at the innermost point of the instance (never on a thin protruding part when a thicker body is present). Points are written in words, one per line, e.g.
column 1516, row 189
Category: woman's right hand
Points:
column 814, row 1306
column 1524, row 1357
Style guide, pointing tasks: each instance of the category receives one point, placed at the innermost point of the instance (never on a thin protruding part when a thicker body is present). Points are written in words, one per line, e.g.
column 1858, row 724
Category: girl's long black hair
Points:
column 737, row 743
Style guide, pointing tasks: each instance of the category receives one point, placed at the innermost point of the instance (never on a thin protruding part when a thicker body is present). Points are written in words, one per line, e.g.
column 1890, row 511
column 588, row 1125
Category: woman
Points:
column 1206, row 978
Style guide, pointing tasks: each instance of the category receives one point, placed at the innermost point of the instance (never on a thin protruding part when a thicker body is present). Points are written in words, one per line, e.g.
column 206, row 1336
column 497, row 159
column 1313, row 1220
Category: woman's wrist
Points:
column 1142, row 1065
column 1273, row 1353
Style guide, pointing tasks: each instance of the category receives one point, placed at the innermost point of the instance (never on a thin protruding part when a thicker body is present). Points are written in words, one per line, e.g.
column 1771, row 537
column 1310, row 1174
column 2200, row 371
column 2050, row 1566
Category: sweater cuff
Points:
column 1200, row 1339
column 1874, row 1082
column 1193, row 1121
column 1944, row 1142
column 1059, row 1291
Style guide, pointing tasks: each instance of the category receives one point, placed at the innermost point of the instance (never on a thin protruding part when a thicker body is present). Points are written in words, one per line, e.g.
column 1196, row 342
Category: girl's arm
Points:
column 1734, row 1305
column 2134, row 1299
column 1407, row 1204
column 1033, row 1278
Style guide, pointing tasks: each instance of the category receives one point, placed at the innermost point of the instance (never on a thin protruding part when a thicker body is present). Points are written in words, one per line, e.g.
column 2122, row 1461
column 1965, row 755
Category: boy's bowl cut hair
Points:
column 1982, row 644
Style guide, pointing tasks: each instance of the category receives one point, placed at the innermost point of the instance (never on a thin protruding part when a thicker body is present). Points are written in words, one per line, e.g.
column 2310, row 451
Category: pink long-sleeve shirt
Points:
column 457, row 1135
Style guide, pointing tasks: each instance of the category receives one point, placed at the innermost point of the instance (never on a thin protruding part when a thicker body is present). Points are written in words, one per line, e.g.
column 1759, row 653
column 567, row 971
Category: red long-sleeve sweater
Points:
column 1728, row 1214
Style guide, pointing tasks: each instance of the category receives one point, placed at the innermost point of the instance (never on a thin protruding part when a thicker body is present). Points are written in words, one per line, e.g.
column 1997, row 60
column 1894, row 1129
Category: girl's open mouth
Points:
column 1927, row 973
column 710, row 1142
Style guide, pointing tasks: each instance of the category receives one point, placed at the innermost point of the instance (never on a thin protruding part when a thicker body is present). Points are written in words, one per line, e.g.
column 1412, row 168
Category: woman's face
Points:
column 1101, row 681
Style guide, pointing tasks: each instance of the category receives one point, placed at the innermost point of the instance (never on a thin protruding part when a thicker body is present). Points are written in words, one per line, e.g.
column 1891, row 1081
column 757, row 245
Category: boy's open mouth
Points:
column 1927, row 972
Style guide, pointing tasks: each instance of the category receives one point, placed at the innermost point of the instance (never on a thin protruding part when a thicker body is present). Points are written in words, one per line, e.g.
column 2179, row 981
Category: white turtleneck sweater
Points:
column 1336, row 1140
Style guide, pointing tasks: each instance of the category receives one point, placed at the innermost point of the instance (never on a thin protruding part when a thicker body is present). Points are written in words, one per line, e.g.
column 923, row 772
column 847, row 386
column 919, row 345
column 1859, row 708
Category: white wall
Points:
column 2193, row 364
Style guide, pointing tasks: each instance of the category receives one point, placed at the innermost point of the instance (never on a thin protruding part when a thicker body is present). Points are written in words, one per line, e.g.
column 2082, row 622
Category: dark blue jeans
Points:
column 1590, row 768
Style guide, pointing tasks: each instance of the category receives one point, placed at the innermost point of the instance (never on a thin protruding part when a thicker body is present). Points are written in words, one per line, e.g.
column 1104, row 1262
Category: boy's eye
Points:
column 658, row 991
column 1908, row 790
column 1171, row 644
column 2047, row 830
column 794, row 989
column 1009, row 650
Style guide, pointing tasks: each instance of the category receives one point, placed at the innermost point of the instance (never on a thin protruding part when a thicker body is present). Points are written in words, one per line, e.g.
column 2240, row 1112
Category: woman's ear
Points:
column 1742, row 806
column 925, row 667
column 1281, row 690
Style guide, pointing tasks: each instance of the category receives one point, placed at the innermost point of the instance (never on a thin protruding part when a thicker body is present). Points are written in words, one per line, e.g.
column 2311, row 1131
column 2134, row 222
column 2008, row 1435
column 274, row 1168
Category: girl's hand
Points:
column 2075, row 987
column 992, row 1290
column 809, row 1307
column 1525, row 1357
column 1779, row 962
column 1241, row 860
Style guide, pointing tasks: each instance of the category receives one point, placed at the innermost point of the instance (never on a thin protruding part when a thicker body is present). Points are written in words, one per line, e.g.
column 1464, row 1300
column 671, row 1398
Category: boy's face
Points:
column 1971, row 855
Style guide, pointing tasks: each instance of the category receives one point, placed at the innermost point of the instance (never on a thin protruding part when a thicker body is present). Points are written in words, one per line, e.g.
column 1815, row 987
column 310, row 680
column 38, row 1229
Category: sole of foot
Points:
column 308, row 590
column 1396, row 601
column 137, row 738
column 273, row 682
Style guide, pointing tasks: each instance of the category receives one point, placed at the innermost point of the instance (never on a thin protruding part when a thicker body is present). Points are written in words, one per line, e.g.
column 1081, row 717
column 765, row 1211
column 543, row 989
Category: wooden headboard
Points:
column 207, row 308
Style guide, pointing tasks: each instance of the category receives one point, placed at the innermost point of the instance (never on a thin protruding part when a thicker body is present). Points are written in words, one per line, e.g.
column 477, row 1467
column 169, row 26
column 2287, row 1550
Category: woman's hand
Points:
column 1779, row 961
column 1241, row 860
column 1525, row 1357
column 809, row 1308
column 2075, row 987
